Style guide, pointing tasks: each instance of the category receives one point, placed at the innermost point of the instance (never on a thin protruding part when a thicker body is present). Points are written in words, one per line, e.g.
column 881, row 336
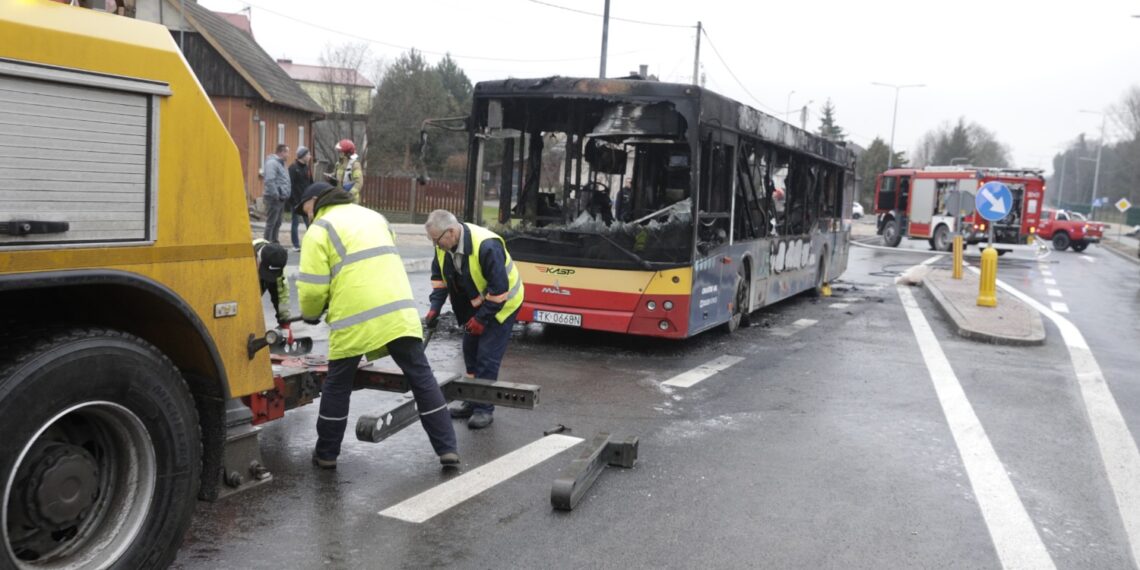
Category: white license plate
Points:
column 558, row 318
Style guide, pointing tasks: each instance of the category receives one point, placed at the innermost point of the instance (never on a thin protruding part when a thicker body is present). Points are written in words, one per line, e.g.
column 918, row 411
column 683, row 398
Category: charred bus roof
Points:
column 688, row 101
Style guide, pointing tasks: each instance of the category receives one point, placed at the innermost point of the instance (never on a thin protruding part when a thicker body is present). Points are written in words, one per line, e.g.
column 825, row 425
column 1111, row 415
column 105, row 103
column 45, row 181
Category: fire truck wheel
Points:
column 891, row 235
column 101, row 464
column 1079, row 246
column 1061, row 241
column 941, row 239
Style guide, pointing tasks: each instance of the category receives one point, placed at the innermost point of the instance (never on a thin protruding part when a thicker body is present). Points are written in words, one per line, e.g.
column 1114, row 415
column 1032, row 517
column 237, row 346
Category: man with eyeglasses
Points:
column 473, row 268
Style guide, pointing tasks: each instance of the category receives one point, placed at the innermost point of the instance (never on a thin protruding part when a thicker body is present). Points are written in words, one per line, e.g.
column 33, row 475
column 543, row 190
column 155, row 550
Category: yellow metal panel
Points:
column 614, row 280
column 202, row 248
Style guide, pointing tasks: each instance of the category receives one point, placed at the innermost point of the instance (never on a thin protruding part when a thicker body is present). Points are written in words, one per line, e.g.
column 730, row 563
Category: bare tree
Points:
column 344, row 96
column 1126, row 114
column 960, row 143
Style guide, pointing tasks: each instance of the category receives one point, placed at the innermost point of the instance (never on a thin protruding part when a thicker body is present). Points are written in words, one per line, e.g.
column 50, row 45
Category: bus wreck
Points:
column 653, row 208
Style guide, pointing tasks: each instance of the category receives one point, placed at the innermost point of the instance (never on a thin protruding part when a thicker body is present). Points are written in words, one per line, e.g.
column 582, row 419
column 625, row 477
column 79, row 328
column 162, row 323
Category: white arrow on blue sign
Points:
column 993, row 201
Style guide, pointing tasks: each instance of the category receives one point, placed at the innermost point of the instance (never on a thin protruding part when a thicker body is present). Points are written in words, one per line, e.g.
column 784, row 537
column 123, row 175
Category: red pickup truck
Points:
column 1068, row 229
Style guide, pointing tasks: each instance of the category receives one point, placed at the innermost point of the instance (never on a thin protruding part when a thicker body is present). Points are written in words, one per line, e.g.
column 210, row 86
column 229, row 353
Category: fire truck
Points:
column 919, row 204
column 136, row 366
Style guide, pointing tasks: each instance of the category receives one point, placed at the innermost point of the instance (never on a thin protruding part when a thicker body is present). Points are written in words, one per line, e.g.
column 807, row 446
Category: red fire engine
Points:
column 917, row 203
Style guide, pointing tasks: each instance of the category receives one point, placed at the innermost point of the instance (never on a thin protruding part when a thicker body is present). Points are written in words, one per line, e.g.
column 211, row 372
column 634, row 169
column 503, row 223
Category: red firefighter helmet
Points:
column 345, row 146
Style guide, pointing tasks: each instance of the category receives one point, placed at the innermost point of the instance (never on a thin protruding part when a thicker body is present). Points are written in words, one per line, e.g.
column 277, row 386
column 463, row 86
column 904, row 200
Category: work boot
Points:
column 480, row 420
column 450, row 459
column 323, row 463
column 461, row 410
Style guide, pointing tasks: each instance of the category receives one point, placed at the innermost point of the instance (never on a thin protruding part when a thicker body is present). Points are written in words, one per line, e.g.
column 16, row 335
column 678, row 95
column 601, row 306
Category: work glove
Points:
column 474, row 327
column 431, row 319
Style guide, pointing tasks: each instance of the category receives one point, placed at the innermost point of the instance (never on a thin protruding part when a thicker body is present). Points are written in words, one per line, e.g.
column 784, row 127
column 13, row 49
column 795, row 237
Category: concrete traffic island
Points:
column 1012, row 322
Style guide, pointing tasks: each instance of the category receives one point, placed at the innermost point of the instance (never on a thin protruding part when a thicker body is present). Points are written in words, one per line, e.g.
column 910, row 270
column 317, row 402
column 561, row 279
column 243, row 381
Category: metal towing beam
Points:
column 297, row 382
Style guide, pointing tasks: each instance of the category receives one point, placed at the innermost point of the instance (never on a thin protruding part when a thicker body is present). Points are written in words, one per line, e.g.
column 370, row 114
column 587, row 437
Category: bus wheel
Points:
column 891, row 235
column 941, row 240
column 739, row 316
column 101, row 465
column 820, row 275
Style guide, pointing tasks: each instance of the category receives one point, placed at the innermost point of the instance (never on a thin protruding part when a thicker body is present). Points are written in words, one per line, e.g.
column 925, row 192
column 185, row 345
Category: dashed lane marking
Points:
column 794, row 327
column 838, row 305
column 1015, row 538
column 1088, row 258
column 1117, row 447
column 1050, row 281
column 690, row 378
column 1054, row 292
column 442, row 497
column 1059, row 307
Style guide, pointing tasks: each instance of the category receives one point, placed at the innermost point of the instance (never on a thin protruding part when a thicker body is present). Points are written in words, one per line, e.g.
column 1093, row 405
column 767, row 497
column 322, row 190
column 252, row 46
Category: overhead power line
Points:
column 406, row 48
column 631, row 21
column 705, row 31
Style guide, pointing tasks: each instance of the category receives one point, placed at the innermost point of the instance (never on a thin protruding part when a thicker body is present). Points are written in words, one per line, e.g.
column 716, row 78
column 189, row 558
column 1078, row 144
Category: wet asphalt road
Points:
column 825, row 447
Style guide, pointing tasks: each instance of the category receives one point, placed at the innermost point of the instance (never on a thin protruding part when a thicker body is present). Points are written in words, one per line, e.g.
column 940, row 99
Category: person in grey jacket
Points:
column 277, row 190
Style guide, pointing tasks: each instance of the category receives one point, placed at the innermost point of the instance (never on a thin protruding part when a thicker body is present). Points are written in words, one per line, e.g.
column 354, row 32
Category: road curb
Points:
column 974, row 331
column 417, row 265
column 1121, row 254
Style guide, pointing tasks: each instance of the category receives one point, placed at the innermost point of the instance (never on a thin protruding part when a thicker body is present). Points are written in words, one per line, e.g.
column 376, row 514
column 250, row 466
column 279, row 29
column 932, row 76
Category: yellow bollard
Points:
column 957, row 257
column 987, row 289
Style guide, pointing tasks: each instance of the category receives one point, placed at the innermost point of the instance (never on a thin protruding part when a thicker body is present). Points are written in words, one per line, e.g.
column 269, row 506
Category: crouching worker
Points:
column 271, row 259
column 349, row 264
column 472, row 267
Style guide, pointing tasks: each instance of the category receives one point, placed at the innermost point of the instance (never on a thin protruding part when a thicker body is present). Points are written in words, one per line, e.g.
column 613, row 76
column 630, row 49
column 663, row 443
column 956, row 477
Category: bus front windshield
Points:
column 588, row 182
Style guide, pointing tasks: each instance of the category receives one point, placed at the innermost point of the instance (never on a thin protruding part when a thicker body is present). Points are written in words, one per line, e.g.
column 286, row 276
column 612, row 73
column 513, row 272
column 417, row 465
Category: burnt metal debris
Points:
column 577, row 478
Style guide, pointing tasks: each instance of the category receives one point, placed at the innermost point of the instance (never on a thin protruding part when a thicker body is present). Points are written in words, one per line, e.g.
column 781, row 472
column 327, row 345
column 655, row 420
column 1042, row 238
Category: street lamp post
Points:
column 894, row 116
column 788, row 106
column 1099, row 149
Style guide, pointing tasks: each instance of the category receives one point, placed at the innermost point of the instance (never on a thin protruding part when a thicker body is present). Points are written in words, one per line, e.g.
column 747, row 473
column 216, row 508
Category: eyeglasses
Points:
column 436, row 240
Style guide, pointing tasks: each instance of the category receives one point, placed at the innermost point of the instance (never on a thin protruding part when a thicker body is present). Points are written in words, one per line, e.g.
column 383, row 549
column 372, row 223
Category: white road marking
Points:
column 794, row 327
column 1059, row 307
column 1050, row 281
column 1015, row 538
column 446, row 495
column 838, row 306
column 932, row 259
column 1054, row 292
column 1117, row 447
column 690, row 378
column 1088, row 259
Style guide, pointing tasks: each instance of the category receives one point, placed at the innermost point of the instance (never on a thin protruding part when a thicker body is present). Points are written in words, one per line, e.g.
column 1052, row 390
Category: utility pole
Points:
column 1096, row 174
column 894, row 116
column 696, row 56
column 1061, row 185
column 606, row 38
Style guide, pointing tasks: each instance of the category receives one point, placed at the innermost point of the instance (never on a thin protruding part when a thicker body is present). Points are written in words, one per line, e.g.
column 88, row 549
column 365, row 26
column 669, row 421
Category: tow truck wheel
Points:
column 891, row 235
column 1079, row 246
column 1061, row 241
column 101, row 463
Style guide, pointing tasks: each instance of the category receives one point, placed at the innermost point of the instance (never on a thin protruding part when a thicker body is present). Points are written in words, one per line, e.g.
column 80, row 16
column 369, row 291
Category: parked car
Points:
column 1068, row 229
column 857, row 210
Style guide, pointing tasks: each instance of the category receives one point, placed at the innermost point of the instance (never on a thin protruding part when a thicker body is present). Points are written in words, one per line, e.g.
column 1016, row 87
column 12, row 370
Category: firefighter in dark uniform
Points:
column 473, row 268
column 271, row 259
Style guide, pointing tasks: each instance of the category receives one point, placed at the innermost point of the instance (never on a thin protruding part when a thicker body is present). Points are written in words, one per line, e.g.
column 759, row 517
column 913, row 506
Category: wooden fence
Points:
column 402, row 199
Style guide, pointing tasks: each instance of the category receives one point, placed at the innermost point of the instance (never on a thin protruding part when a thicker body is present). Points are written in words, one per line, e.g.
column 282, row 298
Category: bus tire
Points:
column 739, row 317
column 941, row 240
column 102, row 464
column 820, row 275
column 1061, row 241
column 892, row 236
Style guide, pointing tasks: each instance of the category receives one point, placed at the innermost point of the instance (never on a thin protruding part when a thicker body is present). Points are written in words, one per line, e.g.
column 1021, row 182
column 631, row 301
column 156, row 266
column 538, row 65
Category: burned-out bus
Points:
column 651, row 208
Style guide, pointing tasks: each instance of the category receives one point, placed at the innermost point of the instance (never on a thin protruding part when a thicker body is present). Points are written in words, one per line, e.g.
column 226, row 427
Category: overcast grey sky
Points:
column 1023, row 69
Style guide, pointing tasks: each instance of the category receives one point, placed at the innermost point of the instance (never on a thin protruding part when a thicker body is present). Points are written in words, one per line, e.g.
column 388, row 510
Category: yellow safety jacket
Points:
column 348, row 171
column 512, row 298
column 349, row 263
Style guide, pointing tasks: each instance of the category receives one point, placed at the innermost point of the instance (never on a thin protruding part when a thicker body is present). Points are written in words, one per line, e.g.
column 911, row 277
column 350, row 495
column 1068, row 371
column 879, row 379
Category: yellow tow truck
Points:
column 130, row 316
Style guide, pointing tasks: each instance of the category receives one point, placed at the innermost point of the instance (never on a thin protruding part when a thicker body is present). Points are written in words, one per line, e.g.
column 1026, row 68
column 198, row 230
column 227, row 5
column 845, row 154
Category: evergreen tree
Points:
column 828, row 128
column 872, row 163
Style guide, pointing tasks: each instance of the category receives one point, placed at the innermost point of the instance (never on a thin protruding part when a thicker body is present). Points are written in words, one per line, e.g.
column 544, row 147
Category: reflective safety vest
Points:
column 512, row 298
column 349, row 264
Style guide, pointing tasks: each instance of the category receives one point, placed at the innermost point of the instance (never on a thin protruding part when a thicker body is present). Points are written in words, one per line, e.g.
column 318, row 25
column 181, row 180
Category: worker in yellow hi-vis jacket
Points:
column 349, row 266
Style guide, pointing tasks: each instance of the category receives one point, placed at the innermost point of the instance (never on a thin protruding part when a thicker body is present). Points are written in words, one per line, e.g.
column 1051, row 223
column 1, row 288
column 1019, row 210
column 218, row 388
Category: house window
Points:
column 301, row 135
column 281, row 133
column 348, row 106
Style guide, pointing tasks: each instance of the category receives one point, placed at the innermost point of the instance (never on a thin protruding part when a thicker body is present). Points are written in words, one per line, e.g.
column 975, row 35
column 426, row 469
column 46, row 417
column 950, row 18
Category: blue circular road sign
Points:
column 993, row 201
